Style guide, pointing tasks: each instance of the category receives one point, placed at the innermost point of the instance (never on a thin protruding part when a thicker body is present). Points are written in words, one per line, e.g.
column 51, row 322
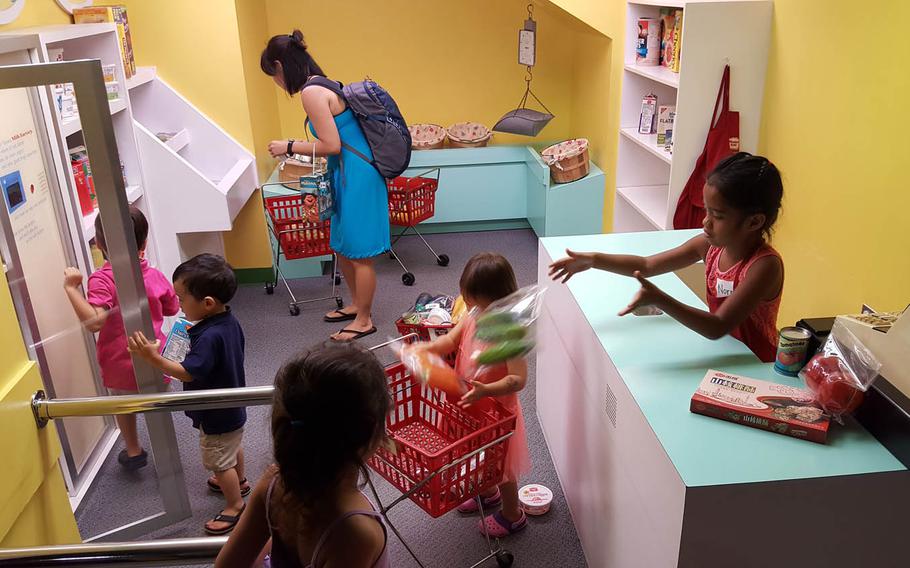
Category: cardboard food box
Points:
column 115, row 15
column 666, row 114
column 761, row 404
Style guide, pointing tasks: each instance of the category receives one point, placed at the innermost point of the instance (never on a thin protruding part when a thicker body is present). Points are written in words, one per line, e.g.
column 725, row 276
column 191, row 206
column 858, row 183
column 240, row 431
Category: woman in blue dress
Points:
column 360, row 226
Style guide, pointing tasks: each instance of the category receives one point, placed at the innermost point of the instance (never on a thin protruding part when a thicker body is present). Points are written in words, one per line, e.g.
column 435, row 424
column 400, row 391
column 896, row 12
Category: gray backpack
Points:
column 381, row 121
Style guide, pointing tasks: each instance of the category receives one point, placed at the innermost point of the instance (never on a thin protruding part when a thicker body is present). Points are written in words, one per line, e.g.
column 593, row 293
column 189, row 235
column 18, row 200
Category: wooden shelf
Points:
column 650, row 200
column 661, row 3
column 74, row 125
column 648, row 142
column 143, row 75
column 179, row 141
column 133, row 193
column 658, row 73
column 88, row 225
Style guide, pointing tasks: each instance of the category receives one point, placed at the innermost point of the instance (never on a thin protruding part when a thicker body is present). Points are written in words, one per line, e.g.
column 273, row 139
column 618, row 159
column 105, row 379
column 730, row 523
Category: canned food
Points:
column 792, row 343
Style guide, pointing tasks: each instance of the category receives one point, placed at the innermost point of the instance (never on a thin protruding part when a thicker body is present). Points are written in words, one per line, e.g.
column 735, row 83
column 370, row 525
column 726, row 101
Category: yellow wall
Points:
column 455, row 61
column 833, row 122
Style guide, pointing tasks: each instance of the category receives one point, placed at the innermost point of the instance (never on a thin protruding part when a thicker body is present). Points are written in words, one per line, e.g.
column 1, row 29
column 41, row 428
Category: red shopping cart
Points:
column 441, row 454
column 426, row 332
column 298, row 233
column 412, row 200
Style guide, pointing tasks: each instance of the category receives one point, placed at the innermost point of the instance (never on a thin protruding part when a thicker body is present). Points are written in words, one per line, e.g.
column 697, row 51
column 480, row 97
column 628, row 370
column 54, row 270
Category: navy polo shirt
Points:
column 215, row 361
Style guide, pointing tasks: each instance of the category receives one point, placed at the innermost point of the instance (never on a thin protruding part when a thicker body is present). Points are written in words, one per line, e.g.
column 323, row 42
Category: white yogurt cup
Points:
column 535, row 499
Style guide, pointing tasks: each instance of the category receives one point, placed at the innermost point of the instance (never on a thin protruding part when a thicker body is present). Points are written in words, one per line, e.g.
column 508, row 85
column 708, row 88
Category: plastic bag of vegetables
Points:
column 505, row 330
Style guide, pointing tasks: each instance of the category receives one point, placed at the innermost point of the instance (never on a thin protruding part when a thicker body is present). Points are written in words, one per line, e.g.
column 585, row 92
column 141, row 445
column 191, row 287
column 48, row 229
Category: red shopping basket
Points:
column 412, row 200
column 297, row 236
column 429, row 433
column 427, row 332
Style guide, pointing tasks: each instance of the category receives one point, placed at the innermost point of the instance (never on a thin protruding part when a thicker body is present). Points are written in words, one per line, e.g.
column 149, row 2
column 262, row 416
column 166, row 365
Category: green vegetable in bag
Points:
column 503, row 332
column 494, row 319
column 505, row 351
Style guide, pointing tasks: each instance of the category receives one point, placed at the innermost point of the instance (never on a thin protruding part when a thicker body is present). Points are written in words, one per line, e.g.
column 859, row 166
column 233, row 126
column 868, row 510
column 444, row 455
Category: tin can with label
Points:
column 792, row 343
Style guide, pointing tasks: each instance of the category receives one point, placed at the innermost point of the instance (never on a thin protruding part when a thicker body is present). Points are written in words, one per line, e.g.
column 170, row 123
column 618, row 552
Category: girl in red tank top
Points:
column 744, row 274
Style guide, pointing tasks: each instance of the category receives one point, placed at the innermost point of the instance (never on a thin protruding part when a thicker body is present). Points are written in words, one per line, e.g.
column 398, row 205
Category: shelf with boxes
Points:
column 674, row 56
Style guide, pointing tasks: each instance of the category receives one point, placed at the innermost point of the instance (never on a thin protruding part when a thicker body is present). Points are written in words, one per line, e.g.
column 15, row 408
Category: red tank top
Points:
column 759, row 330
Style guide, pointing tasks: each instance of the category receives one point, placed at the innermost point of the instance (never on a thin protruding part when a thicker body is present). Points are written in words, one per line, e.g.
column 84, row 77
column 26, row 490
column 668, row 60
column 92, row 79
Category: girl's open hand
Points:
column 576, row 262
column 141, row 346
column 278, row 148
column 477, row 392
column 72, row 277
column 648, row 295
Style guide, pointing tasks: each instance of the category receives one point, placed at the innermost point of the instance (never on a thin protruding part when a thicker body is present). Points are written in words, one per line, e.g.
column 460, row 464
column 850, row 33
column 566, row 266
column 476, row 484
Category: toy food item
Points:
column 504, row 351
column 459, row 309
column 835, row 390
column 535, row 499
column 496, row 318
column 501, row 332
column 430, row 369
column 841, row 371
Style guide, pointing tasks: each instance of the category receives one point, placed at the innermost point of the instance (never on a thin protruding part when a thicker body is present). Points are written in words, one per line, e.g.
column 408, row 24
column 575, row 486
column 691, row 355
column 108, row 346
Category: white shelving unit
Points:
column 191, row 192
column 649, row 179
column 200, row 171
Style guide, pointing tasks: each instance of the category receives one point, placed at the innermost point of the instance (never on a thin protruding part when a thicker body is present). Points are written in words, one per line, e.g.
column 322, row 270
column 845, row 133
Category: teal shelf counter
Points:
column 651, row 484
column 492, row 188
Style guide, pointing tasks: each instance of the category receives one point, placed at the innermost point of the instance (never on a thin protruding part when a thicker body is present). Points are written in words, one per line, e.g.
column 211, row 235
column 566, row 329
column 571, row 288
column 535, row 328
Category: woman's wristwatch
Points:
column 290, row 151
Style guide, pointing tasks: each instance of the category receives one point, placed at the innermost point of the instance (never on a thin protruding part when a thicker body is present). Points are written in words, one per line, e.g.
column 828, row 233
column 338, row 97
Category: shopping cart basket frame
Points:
column 408, row 211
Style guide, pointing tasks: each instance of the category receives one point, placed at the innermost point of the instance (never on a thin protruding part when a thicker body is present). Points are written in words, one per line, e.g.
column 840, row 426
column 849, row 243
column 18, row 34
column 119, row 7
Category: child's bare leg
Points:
column 510, row 508
column 241, row 473
column 127, row 425
column 230, row 487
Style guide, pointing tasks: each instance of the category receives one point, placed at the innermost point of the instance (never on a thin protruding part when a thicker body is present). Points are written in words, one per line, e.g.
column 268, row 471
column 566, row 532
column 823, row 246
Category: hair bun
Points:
column 297, row 36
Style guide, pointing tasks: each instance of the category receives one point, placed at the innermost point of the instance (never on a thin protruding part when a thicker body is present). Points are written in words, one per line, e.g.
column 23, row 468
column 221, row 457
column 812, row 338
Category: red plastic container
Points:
column 297, row 236
column 412, row 200
column 427, row 332
column 428, row 433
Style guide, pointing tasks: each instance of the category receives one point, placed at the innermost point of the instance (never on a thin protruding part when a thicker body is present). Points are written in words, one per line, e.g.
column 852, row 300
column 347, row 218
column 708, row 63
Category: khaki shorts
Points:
column 219, row 451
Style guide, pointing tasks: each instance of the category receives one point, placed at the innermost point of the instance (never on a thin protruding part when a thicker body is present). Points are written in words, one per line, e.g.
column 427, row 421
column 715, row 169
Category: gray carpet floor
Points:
column 272, row 335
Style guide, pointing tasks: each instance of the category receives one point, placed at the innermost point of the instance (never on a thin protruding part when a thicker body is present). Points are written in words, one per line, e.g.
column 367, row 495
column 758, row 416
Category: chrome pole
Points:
column 45, row 409
column 173, row 552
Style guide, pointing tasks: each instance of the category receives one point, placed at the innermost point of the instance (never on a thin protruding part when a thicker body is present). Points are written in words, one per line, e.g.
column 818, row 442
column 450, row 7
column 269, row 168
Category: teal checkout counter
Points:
column 497, row 187
column 650, row 484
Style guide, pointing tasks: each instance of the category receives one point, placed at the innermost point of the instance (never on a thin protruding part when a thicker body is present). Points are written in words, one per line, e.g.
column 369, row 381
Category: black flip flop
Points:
column 244, row 491
column 356, row 334
column 344, row 316
column 232, row 521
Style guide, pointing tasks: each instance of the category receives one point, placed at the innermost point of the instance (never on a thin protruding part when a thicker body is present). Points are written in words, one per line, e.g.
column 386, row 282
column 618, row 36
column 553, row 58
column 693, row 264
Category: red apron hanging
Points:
column 723, row 140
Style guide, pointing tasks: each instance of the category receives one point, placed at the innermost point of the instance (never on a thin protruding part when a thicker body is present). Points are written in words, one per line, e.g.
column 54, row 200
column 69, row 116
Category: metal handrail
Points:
column 172, row 552
column 45, row 409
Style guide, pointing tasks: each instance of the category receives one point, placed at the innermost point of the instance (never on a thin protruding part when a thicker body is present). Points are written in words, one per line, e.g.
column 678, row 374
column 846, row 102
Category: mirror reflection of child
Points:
column 100, row 312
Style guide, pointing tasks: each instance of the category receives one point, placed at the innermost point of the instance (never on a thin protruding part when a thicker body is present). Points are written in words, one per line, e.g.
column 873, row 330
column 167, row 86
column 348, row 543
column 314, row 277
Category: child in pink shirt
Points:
column 100, row 312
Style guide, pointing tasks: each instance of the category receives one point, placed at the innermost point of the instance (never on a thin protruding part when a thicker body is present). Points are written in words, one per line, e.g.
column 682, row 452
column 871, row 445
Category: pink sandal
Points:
column 498, row 526
column 470, row 506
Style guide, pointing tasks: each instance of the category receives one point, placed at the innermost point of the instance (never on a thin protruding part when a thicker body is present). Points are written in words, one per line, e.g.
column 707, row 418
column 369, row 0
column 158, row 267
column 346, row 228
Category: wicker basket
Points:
column 468, row 135
column 293, row 169
column 568, row 160
column 427, row 136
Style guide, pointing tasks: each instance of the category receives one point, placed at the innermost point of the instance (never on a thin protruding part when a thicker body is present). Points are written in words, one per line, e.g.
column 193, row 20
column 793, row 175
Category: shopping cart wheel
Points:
column 269, row 288
column 339, row 302
column 408, row 279
column 504, row 558
column 294, row 309
column 443, row 260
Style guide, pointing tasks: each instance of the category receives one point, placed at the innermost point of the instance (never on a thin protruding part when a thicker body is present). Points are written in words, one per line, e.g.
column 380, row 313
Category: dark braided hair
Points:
column 329, row 411
column 296, row 62
column 750, row 184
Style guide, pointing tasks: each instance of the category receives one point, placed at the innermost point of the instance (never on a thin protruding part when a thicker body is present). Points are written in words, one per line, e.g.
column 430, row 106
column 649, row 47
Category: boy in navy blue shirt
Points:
column 204, row 285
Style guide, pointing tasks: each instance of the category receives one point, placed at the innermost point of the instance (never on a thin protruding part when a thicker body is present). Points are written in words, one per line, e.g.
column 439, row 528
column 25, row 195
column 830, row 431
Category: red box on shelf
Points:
column 761, row 404
column 83, row 188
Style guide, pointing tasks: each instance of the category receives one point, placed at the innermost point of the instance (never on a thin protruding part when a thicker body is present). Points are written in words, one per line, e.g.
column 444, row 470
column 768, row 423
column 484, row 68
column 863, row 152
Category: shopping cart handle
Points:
column 391, row 341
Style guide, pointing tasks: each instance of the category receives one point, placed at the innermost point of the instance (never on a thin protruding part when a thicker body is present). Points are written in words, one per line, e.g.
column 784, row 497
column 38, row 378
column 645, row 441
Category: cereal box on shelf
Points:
column 761, row 404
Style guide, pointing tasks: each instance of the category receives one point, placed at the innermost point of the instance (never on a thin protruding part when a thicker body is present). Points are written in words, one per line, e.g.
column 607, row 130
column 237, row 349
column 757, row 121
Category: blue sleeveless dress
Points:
column 360, row 225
